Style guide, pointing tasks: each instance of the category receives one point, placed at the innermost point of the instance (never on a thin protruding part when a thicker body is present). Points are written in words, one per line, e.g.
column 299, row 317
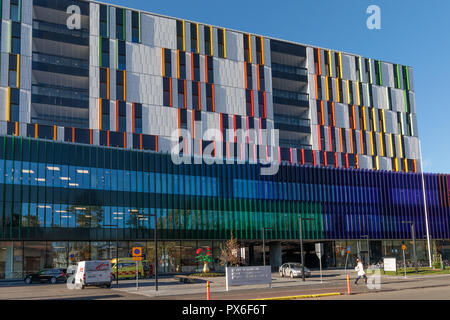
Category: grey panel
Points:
column 385, row 163
column 310, row 60
column 112, row 22
column 201, row 31
column 148, row 30
column 6, row 4
column 4, row 69
column 391, row 122
column 365, row 162
column 128, row 35
column 365, row 95
column 267, row 55
column 25, row 106
column 387, row 74
column 341, row 115
column 411, row 79
column 412, row 101
column 187, row 32
column 348, row 67
column 379, row 97
column 415, row 126
column 95, row 137
column 398, row 100
column 174, row 92
column 268, row 79
column 112, row 115
column 253, row 41
column 215, row 44
column 5, row 39
column 189, row 94
column 313, row 110
column 27, row 12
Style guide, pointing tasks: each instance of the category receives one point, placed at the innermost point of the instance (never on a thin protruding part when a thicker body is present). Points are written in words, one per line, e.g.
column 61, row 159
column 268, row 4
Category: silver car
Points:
column 293, row 270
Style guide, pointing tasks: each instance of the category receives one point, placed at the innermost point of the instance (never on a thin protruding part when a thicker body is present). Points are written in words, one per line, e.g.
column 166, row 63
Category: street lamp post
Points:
column 301, row 244
column 413, row 233
column 368, row 248
column 264, row 244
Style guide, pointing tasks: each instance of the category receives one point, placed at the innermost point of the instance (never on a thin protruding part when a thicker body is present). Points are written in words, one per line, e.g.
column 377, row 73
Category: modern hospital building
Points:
column 91, row 94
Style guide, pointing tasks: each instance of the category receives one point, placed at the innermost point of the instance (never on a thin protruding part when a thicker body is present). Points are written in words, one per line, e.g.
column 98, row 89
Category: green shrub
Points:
column 207, row 275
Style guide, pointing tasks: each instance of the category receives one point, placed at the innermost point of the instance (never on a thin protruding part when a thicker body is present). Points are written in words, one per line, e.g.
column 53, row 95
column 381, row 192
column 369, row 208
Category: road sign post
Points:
column 137, row 256
column 404, row 259
column 346, row 257
column 319, row 253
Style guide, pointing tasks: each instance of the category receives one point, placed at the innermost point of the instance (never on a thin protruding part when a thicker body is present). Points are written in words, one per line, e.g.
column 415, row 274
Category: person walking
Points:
column 360, row 269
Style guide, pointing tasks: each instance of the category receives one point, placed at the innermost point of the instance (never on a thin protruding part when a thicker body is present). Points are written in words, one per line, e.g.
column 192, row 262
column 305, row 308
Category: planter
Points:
column 205, row 267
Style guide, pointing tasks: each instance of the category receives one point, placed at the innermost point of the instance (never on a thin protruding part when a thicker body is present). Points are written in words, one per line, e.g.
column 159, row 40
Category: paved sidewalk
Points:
column 333, row 281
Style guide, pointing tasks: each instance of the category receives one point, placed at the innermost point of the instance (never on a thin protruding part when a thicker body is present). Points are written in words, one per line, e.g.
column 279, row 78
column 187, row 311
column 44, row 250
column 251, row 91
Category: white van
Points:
column 93, row 273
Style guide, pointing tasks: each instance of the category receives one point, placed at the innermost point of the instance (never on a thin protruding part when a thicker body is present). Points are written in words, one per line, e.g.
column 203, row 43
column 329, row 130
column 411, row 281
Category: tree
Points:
column 230, row 254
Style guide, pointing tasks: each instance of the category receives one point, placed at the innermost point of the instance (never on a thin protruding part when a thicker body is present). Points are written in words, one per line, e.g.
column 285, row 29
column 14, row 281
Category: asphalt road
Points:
column 432, row 287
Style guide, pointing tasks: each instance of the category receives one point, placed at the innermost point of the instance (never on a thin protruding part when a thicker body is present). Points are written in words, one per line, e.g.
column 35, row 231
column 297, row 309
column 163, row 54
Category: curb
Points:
column 303, row 296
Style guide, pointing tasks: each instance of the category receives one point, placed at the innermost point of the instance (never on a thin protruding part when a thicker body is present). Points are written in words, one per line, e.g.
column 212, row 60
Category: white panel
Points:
column 25, row 106
column 94, row 21
column 398, row 100
column 144, row 59
column 165, row 33
column 94, row 113
column 148, row 29
column 27, row 12
column 25, row 72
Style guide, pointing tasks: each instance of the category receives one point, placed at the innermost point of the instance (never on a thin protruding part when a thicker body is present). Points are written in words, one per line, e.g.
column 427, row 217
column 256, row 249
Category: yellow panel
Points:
column 348, row 91
column 400, row 147
column 337, row 90
column 340, row 66
column 262, row 51
column 184, row 36
column 363, row 110
column 250, row 47
column 18, row 71
column 374, row 120
column 326, row 84
column 211, row 38
column 384, row 121
column 381, row 144
column 329, row 64
column 377, row 163
column 371, row 142
column 396, row 164
column 358, row 94
column 198, row 40
column 405, row 164
column 224, row 43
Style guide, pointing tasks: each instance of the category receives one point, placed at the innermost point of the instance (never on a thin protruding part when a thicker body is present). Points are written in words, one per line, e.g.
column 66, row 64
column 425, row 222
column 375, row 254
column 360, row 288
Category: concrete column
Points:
column 275, row 254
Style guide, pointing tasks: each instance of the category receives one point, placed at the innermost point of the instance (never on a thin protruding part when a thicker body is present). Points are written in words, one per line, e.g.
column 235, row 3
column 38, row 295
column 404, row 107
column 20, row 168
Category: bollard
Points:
column 208, row 291
column 348, row 285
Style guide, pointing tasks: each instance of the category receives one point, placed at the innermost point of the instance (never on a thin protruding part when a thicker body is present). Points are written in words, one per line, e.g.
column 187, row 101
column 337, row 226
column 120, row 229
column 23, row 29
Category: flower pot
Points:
column 205, row 267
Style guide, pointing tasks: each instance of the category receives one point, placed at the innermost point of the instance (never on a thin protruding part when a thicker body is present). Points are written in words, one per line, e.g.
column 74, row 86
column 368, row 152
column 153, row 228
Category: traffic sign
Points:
column 319, row 250
column 137, row 252
column 404, row 247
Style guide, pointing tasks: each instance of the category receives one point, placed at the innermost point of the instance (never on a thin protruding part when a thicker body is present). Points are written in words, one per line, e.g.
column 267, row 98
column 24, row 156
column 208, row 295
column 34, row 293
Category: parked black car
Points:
column 47, row 275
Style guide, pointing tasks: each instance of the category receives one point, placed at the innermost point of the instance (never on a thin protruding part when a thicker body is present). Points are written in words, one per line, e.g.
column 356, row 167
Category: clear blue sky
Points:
column 414, row 33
